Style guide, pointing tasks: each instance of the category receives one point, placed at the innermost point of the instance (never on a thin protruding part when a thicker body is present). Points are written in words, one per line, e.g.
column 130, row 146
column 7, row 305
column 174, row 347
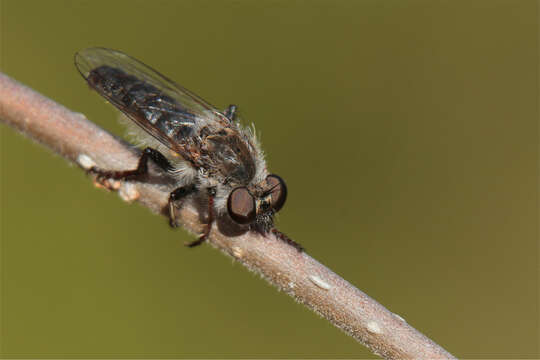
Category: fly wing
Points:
column 164, row 109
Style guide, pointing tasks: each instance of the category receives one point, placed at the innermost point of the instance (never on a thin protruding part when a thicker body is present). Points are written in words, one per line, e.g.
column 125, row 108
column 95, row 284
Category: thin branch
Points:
column 297, row 274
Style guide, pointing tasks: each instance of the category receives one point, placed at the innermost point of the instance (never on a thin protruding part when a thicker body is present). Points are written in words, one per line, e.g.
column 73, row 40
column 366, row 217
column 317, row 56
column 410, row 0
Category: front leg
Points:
column 230, row 112
column 204, row 236
column 281, row 236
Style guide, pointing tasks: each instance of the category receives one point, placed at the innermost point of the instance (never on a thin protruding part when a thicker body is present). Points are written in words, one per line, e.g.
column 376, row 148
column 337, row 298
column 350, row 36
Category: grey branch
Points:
column 297, row 274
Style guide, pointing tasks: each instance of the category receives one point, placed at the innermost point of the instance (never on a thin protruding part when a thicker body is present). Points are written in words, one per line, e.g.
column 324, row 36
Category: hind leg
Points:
column 142, row 167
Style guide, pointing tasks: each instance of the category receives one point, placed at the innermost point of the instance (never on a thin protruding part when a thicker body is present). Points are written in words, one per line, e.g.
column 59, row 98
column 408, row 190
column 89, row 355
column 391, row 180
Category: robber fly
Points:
column 207, row 149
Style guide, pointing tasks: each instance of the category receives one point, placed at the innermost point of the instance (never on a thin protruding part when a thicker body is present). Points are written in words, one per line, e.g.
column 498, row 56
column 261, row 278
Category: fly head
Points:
column 257, row 204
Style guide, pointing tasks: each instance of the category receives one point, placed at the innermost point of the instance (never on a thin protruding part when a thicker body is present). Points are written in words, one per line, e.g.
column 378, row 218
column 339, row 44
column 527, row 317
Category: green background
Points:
column 407, row 132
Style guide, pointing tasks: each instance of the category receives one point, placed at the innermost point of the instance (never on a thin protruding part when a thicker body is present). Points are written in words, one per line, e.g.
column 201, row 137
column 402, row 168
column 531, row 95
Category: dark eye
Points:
column 278, row 191
column 241, row 206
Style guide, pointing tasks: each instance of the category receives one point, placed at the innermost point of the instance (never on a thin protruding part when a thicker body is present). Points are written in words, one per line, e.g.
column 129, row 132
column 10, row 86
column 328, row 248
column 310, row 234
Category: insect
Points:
column 208, row 150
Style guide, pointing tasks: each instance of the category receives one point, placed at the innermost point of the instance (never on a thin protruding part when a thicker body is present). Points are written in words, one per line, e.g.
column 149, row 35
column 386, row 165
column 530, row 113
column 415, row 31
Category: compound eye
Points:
column 241, row 206
column 278, row 191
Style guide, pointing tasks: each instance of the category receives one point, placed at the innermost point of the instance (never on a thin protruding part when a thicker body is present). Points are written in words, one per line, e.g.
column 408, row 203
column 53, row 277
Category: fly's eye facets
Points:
column 241, row 206
column 277, row 190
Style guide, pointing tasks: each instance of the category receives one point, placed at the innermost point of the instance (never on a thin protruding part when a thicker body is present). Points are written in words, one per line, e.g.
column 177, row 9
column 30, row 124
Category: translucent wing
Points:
column 164, row 109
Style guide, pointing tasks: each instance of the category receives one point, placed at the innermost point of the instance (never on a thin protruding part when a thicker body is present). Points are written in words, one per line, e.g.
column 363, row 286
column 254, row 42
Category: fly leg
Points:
column 230, row 112
column 176, row 195
column 142, row 167
column 204, row 236
column 281, row 236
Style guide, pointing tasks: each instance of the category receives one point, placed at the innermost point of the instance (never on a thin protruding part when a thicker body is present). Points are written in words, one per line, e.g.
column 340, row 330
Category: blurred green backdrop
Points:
column 407, row 132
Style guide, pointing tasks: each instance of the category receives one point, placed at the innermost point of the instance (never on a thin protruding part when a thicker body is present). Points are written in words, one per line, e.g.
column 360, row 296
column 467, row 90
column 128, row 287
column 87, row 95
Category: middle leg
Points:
column 204, row 236
column 176, row 195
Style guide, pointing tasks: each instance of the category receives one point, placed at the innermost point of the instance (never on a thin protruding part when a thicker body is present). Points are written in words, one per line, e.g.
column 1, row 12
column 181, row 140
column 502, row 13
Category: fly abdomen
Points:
column 112, row 83
column 142, row 100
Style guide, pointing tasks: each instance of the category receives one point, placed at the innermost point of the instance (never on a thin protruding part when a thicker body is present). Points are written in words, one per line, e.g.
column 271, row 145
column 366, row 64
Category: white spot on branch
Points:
column 374, row 328
column 128, row 192
column 320, row 282
column 85, row 161
column 237, row 252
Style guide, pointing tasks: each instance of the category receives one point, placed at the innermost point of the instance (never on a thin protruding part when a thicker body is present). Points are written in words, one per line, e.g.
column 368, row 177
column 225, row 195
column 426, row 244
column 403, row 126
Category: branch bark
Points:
column 297, row 274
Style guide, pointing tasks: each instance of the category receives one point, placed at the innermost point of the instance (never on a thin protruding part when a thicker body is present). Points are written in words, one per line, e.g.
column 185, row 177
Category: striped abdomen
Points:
column 146, row 104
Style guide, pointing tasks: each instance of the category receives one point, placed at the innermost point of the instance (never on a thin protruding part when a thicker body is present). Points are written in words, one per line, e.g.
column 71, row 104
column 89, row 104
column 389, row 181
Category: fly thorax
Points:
column 231, row 155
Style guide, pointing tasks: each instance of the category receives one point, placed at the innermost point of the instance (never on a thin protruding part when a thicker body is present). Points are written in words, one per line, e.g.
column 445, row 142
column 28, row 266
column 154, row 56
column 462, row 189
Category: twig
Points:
column 302, row 277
